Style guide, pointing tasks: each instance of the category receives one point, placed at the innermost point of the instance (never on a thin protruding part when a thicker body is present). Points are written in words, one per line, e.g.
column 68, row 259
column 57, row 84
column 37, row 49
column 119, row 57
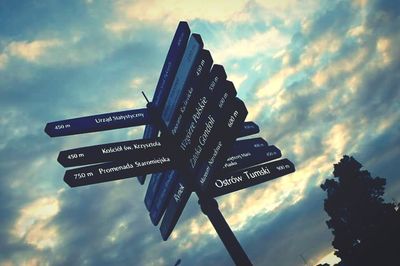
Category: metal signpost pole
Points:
column 209, row 207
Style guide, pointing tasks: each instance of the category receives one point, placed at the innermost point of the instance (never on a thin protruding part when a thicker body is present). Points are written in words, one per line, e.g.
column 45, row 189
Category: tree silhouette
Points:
column 366, row 229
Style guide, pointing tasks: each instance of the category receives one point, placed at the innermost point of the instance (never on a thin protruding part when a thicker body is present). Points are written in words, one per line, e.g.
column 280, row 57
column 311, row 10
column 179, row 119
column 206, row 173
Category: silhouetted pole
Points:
column 209, row 207
column 304, row 260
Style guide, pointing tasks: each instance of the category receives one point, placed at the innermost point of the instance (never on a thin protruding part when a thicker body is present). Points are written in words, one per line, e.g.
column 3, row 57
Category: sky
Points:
column 320, row 78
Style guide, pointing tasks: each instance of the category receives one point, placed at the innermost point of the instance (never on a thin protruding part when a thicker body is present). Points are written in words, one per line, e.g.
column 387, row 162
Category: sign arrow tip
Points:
column 48, row 131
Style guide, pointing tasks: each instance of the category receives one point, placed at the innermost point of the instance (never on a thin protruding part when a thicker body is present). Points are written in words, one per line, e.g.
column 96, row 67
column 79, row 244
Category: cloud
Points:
column 329, row 258
column 237, row 79
column 31, row 51
column 361, row 3
column 299, row 224
column 273, row 237
column 117, row 27
column 172, row 11
column 3, row 61
column 357, row 31
column 41, row 209
column 383, row 46
column 32, row 226
column 337, row 139
column 342, row 66
column 289, row 11
column 263, row 43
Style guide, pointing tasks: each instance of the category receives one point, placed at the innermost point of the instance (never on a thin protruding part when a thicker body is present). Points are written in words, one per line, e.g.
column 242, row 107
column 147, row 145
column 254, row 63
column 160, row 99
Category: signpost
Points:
column 196, row 110
column 96, row 123
column 126, row 149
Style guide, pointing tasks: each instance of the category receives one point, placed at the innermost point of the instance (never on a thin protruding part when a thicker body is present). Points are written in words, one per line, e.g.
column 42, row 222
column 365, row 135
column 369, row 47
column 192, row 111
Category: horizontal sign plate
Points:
column 115, row 170
column 94, row 123
column 250, row 176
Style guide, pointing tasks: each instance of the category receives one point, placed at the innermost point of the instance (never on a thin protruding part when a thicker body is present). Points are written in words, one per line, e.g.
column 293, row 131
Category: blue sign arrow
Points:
column 101, row 122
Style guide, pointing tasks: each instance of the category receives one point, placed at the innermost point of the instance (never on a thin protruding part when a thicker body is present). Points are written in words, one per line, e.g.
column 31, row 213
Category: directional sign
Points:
column 120, row 151
column 230, row 119
column 100, row 122
column 249, row 128
column 171, row 64
column 113, row 171
column 211, row 127
column 219, row 90
column 157, row 209
column 167, row 76
column 249, row 157
column 182, row 77
column 197, row 102
column 152, row 189
column 251, row 176
column 257, row 152
column 194, row 86
column 180, row 196
column 218, row 147
column 132, row 158
column 205, row 130
column 245, row 153
column 117, row 151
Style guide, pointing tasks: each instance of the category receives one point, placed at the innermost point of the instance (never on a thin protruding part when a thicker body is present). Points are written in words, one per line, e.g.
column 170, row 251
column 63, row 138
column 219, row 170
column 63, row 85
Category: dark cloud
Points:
column 276, row 240
column 378, row 93
column 301, row 223
column 28, row 20
column 383, row 16
column 380, row 157
column 336, row 19
column 91, row 215
column 9, row 212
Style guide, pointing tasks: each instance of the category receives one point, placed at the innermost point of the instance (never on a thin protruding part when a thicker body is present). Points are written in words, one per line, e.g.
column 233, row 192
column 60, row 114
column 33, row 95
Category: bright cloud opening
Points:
column 33, row 227
column 31, row 51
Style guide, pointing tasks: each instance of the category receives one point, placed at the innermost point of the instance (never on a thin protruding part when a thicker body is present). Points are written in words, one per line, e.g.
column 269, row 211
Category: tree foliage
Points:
column 366, row 229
